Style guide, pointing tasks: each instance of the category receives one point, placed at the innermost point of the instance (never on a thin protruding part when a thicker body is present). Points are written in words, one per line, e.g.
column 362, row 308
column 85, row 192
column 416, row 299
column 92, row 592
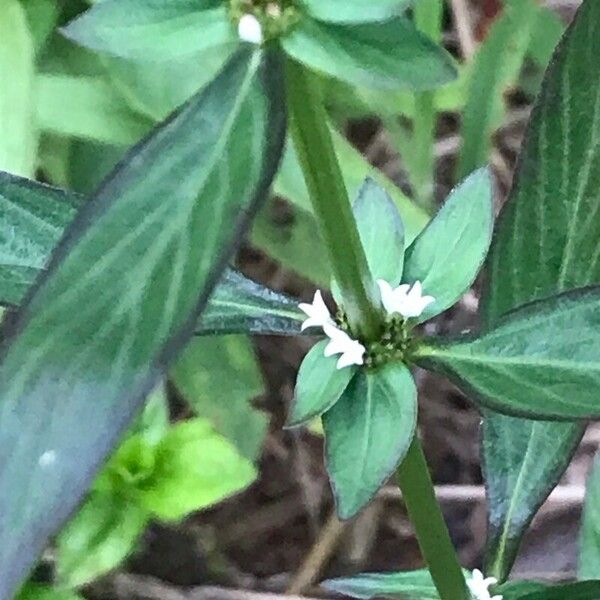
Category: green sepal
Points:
column 388, row 55
column 355, row 11
column 194, row 468
column 102, row 534
column 448, row 254
column 367, row 433
column 319, row 385
column 540, row 361
column 163, row 31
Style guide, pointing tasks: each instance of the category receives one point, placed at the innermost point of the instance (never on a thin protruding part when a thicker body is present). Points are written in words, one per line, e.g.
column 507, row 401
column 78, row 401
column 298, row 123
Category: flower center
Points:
column 275, row 16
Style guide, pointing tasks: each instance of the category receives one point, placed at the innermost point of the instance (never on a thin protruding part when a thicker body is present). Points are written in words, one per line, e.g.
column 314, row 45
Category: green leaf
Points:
column 103, row 533
column 589, row 545
column 42, row 16
column 239, row 305
column 389, row 55
column 450, row 251
column 497, row 66
column 540, row 361
column 581, row 590
column 546, row 242
column 195, row 467
column 213, row 369
column 35, row 591
column 17, row 69
column 153, row 30
column 33, row 219
column 319, row 385
column 381, row 232
column 121, row 294
column 368, row 432
column 408, row 585
column 514, row 590
column 357, row 11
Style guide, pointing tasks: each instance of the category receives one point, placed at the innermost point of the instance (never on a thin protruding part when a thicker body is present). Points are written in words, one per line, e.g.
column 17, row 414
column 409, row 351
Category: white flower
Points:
column 352, row 351
column 250, row 29
column 479, row 586
column 405, row 300
column 317, row 313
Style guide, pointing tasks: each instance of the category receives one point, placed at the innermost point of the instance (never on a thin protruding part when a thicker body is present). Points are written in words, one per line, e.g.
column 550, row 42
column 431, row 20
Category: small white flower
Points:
column 352, row 351
column 250, row 29
column 318, row 314
column 406, row 300
column 479, row 586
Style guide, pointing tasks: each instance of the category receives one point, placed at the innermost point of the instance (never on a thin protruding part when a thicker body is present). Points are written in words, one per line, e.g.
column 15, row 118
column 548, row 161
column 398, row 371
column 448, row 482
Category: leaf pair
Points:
column 369, row 417
column 364, row 43
column 121, row 294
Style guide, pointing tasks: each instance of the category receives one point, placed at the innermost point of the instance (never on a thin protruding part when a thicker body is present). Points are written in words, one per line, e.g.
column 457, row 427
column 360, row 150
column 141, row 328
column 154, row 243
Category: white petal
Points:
column 387, row 295
column 250, row 30
column 317, row 312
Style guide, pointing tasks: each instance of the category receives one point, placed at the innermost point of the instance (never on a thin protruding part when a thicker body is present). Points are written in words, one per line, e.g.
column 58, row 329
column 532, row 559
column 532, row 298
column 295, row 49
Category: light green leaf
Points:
column 195, row 467
column 389, row 55
column 450, row 251
column 546, row 242
column 121, row 294
column 381, row 232
column 540, row 360
column 213, row 369
column 356, row 11
column 367, row 433
column 42, row 16
column 17, row 68
column 103, row 533
column 589, row 547
column 319, row 385
column 36, row 591
column 153, row 30
column 405, row 585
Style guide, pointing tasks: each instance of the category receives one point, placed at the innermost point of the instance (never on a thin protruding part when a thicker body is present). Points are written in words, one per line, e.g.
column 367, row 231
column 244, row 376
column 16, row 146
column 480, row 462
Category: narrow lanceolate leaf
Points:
column 140, row 29
column 540, row 361
column 546, row 242
column 404, row 585
column 367, row 434
column 381, row 232
column 121, row 295
column 589, row 549
column 17, row 70
column 357, row 11
column 32, row 220
column 389, row 55
column 319, row 386
column 449, row 252
column 580, row 590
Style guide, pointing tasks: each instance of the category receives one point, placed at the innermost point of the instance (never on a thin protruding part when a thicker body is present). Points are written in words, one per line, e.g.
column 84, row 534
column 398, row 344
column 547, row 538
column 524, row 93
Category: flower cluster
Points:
column 479, row 586
column 405, row 300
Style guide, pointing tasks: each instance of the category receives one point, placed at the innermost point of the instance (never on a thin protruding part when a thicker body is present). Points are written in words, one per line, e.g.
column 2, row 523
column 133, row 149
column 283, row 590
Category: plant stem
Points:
column 312, row 139
column 432, row 534
column 428, row 19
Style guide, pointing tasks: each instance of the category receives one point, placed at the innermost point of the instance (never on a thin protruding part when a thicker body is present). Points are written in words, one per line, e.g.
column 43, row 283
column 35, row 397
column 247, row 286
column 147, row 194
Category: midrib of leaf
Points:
column 290, row 314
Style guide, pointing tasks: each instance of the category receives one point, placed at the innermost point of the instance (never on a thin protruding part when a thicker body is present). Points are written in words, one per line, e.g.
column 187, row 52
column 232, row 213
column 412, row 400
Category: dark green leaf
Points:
column 121, row 294
column 145, row 30
column 514, row 590
column 213, row 369
column 32, row 221
column 546, row 242
column 35, row 591
column 381, row 232
column 389, row 55
column 319, row 385
column 367, row 433
column 589, row 546
column 356, row 11
column 409, row 585
column 540, row 361
column 581, row 590
column 194, row 468
column 450, row 251
column 98, row 539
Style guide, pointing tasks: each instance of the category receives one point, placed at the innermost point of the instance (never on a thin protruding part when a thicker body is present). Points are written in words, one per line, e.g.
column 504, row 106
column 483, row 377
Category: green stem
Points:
column 432, row 534
column 312, row 140
column 428, row 19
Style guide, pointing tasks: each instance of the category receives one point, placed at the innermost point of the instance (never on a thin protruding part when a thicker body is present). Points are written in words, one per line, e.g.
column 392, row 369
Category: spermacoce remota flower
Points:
column 479, row 586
